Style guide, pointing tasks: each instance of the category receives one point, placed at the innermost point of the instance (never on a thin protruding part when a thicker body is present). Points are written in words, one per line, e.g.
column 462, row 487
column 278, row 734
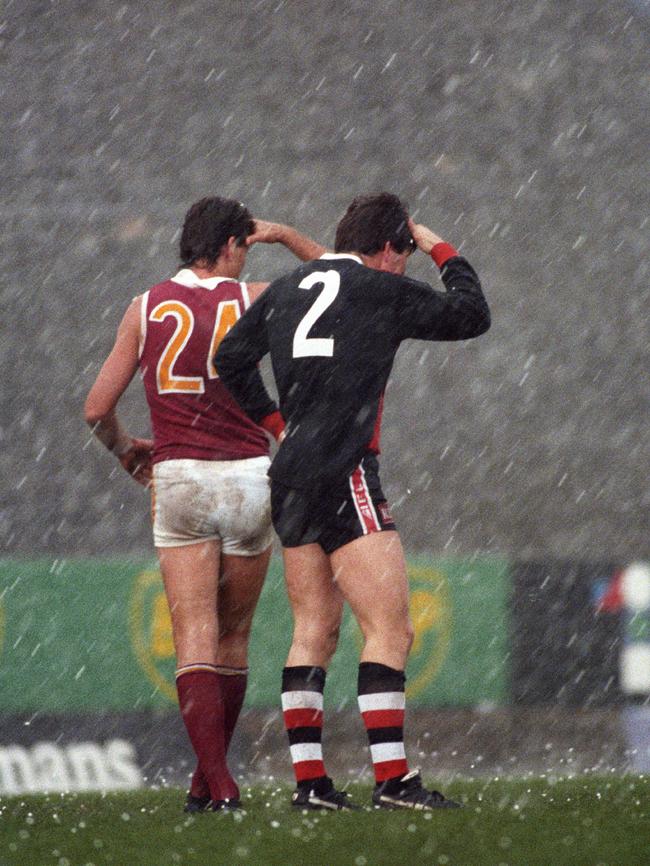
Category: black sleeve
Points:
column 459, row 313
column 237, row 358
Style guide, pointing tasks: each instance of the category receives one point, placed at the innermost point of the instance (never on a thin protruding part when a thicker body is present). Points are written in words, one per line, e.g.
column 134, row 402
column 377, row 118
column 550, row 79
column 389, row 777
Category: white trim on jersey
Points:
column 306, row 752
column 381, row 752
column 302, row 700
column 330, row 256
column 186, row 277
column 382, row 701
column 144, row 300
column 245, row 295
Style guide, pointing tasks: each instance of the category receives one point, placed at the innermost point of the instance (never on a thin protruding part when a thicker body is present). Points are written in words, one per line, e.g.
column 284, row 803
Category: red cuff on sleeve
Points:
column 273, row 423
column 442, row 252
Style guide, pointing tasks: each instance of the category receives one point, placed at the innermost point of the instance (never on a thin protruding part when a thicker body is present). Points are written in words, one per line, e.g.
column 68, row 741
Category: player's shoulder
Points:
column 379, row 286
column 292, row 278
column 161, row 291
column 400, row 283
column 347, row 267
column 162, row 285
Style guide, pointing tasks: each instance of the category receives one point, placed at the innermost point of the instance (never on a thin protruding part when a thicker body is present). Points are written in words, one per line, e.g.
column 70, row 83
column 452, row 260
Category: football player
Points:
column 332, row 328
column 207, row 467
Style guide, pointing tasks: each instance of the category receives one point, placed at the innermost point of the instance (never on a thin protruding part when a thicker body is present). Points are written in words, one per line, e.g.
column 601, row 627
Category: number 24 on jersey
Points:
column 169, row 382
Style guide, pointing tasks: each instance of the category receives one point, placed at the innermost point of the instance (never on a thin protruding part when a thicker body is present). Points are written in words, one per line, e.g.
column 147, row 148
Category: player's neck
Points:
column 384, row 260
column 220, row 268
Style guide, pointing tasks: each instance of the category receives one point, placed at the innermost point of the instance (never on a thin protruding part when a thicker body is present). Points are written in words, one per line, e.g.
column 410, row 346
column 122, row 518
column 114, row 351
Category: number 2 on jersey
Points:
column 309, row 347
column 169, row 382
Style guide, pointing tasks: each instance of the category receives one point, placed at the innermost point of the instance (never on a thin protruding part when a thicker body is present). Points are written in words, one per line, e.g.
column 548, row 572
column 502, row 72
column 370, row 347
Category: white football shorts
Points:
column 201, row 500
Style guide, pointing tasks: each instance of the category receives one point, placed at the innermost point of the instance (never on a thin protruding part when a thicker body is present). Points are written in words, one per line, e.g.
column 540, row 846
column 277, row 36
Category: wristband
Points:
column 273, row 424
column 441, row 252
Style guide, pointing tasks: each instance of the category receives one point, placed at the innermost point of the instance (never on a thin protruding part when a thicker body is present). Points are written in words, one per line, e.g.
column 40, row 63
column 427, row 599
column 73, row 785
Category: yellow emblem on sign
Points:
column 431, row 613
column 150, row 627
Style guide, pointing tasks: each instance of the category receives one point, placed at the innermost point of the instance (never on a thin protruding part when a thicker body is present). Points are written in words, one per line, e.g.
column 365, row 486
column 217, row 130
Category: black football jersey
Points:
column 332, row 328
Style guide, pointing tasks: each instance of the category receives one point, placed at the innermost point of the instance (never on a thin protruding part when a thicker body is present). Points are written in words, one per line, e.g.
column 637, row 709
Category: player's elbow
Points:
column 91, row 417
column 94, row 411
column 475, row 323
column 483, row 322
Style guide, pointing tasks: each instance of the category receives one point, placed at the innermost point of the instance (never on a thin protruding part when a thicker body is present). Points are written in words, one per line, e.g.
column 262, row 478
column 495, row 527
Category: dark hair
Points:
column 208, row 225
column 370, row 221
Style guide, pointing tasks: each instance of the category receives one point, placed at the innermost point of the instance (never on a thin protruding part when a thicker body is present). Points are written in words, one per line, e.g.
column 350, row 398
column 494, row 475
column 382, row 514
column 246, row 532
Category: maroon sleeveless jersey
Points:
column 183, row 320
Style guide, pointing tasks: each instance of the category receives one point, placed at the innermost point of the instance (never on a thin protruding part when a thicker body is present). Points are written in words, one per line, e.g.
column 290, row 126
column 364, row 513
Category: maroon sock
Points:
column 202, row 709
column 199, row 785
column 233, row 682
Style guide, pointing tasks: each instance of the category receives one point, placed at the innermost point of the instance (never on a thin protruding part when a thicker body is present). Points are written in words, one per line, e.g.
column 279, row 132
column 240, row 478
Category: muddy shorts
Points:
column 201, row 500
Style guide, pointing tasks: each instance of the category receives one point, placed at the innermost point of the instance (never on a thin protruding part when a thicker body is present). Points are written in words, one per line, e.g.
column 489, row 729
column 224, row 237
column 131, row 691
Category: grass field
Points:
column 585, row 821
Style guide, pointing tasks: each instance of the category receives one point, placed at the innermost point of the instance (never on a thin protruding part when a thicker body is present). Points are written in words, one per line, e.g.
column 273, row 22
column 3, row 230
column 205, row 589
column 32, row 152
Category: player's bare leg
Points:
column 191, row 575
column 371, row 573
column 317, row 606
column 240, row 585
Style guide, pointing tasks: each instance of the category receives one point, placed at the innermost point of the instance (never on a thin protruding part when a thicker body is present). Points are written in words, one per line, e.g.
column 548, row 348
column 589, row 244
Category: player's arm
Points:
column 459, row 313
column 100, row 407
column 300, row 245
column 276, row 233
column 237, row 360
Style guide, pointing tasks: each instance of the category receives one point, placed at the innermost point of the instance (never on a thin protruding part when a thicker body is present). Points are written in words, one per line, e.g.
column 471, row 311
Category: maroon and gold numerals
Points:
column 167, row 380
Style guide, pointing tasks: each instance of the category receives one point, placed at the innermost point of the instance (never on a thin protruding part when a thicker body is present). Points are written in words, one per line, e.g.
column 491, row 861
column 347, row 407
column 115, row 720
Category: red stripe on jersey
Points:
column 383, row 718
column 305, row 770
column 363, row 502
column 373, row 445
column 304, row 717
column 390, row 769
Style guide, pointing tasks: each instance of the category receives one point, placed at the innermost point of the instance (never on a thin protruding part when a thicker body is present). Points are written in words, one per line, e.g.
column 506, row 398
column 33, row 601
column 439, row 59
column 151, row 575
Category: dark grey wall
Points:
column 518, row 130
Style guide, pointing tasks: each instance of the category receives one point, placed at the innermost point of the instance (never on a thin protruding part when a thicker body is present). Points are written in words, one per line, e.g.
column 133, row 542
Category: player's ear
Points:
column 386, row 253
column 231, row 243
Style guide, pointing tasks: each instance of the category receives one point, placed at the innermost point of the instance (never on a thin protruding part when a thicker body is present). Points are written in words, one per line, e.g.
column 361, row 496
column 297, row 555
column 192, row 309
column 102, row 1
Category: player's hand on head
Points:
column 264, row 232
column 424, row 237
column 137, row 460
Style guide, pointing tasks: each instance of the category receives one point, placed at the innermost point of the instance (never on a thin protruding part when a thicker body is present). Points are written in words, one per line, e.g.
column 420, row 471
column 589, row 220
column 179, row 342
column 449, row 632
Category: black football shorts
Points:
column 332, row 517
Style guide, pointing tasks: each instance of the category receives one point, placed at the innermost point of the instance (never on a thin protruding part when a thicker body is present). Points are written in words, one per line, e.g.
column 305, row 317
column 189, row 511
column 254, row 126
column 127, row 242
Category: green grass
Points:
column 584, row 821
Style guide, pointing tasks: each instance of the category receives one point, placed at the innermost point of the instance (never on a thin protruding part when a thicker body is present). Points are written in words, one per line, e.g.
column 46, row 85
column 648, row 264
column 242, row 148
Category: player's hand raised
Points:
column 137, row 460
column 265, row 233
column 424, row 237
